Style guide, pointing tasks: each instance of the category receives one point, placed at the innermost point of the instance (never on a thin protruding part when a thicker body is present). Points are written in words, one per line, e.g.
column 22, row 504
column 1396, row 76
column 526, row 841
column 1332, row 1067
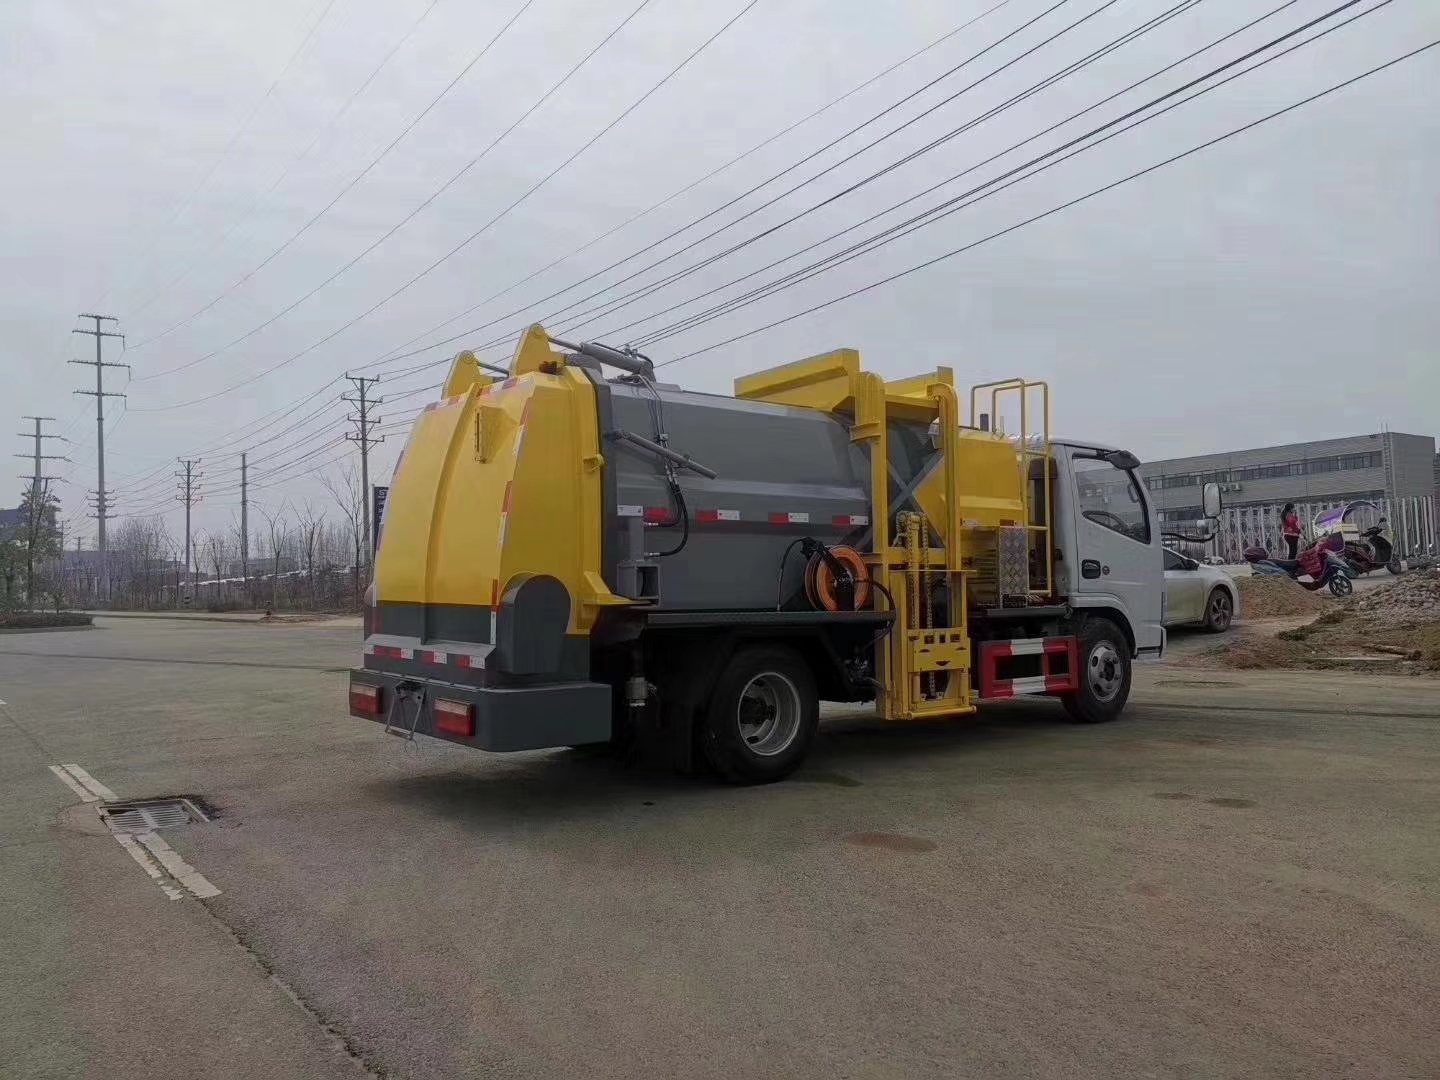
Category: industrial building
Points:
column 1395, row 470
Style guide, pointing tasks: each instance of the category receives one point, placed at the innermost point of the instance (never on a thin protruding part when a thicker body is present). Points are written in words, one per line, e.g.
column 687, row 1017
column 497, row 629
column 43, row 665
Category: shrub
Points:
column 38, row 620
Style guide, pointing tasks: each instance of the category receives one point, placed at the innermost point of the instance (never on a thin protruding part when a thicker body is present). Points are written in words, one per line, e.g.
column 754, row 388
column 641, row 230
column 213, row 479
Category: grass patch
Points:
column 40, row 620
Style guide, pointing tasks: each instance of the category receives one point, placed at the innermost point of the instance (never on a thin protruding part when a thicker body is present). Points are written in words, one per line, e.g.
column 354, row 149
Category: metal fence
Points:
column 1411, row 525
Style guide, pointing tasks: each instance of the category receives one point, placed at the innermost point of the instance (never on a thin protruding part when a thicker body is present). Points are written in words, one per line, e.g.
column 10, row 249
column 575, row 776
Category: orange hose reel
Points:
column 820, row 584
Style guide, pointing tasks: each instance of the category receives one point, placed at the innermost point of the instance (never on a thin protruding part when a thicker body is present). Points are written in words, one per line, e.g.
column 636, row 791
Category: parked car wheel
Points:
column 1219, row 611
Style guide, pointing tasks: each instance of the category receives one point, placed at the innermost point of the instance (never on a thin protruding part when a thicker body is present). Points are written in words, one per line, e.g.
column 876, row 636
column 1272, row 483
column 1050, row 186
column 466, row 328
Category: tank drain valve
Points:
column 637, row 691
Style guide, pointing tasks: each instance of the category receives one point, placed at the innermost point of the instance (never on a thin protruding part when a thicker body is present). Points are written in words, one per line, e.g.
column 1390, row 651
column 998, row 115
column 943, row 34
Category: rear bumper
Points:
column 505, row 718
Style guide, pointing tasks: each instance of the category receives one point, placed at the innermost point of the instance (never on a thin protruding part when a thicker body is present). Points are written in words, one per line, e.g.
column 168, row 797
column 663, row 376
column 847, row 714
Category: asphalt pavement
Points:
column 1237, row 879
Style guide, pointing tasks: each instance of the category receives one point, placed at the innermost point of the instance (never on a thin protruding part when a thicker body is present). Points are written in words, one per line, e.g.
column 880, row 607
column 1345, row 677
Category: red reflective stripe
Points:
column 1007, row 521
column 462, row 661
column 717, row 515
column 657, row 515
column 845, row 521
column 495, row 594
column 509, row 491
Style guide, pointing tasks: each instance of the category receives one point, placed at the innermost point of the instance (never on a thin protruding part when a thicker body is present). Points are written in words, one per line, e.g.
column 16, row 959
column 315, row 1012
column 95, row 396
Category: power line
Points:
column 611, row 306
column 285, row 412
column 1057, row 209
column 184, row 203
column 804, row 274
column 325, row 129
column 1020, row 173
column 653, row 207
column 345, row 326
column 475, row 59
column 931, row 83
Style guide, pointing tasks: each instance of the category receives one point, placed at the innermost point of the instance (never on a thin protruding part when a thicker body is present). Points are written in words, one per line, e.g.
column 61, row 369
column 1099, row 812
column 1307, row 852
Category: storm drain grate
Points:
column 141, row 817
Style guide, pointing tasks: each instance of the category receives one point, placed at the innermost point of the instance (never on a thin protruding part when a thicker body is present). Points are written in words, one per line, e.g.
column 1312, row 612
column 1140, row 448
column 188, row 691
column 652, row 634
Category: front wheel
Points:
column 1340, row 585
column 1219, row 611
column 1105, row 672
column 1394, row 565
column 762, row 716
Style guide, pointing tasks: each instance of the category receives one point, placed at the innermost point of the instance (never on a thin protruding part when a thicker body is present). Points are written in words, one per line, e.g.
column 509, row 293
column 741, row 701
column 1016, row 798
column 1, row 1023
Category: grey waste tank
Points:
column 770, row 460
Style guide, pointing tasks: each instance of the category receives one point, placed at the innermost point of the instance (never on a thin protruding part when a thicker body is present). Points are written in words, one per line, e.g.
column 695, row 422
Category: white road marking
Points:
column 140, row 856
column 91, row 784
column 182, row 871
column 141, row 846
column 73, row 784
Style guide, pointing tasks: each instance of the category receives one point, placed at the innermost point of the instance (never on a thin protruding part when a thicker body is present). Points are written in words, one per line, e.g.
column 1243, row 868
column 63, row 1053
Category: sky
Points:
column 268, row 196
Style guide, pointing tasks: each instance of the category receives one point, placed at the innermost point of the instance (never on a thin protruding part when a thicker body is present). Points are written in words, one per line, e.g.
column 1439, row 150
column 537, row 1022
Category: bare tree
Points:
column 138, row 563
column 312, row 525
column 350, row 496
column 278, row 533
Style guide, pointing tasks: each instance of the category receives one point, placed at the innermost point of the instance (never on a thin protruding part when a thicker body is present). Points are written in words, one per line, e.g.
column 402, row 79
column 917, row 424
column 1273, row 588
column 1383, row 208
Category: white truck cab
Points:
column 1109, row 557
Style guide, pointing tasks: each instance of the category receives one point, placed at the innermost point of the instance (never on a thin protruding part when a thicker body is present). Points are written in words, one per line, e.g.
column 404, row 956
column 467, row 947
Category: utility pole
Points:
column 244, row 528
column 189, row 496
column 364, row 425
column 102, row 499
column 39, row 496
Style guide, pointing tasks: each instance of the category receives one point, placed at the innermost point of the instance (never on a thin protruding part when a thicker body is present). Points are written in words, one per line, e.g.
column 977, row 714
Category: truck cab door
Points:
column 1114, row 555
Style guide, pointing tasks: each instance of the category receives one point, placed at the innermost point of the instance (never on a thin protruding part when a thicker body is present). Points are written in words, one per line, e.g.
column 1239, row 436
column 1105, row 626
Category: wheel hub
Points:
column 1104, row 671
column 768, row 714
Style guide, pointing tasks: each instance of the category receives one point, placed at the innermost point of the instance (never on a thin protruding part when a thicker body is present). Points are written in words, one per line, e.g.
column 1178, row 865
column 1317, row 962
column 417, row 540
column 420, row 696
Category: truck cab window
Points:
column 1111, row 497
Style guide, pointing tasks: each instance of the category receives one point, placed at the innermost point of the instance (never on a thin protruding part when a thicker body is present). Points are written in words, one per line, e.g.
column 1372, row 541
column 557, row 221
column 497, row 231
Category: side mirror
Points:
column 1122, row 459
column 1212, row 500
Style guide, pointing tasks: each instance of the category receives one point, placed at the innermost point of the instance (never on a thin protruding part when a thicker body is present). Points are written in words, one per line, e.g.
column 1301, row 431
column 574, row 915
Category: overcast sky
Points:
column 1277, row 287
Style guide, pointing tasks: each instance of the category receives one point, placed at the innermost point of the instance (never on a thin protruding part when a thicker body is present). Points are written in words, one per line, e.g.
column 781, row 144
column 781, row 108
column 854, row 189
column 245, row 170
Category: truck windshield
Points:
column 1111, row 497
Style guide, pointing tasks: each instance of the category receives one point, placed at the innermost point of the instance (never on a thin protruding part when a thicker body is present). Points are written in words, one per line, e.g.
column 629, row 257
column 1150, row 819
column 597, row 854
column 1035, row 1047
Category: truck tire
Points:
column 761, row 717
column 1105, row 671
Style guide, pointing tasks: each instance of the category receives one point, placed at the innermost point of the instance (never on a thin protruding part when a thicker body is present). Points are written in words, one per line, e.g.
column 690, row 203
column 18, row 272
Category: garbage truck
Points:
column 578, row 552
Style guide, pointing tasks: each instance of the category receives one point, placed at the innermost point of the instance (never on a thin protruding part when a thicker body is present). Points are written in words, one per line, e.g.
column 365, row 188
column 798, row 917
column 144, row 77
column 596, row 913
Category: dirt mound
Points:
column 1276, row 597
column 1411, row 600
column 1395, row 629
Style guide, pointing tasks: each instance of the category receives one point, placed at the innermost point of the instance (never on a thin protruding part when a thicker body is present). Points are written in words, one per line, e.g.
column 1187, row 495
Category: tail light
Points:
column 365, row 698
column 454, row 717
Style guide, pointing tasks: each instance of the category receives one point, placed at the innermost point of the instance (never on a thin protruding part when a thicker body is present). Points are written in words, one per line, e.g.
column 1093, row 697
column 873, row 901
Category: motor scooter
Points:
column 1322, row 563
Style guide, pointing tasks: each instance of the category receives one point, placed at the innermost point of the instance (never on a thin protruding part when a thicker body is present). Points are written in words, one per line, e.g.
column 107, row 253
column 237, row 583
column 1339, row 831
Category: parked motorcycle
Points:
column 1323, row 563
column 1364, row 551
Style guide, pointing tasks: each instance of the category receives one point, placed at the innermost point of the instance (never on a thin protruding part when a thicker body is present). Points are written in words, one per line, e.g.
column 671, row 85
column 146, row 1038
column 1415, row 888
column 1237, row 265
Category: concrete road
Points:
column 1238, row 879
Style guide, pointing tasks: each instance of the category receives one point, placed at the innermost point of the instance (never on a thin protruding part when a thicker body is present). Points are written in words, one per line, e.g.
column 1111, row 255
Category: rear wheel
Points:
column 1219, row 610
column 1105, row 672
column 762, row 716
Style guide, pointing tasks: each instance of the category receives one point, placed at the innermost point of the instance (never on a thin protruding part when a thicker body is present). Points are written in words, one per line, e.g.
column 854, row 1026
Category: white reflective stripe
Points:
column 859, row 519
column 630, row 511
column 726, row 515
column 407, row 654
column 1027, row 646
column 1033, row 685
column 799, row 519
